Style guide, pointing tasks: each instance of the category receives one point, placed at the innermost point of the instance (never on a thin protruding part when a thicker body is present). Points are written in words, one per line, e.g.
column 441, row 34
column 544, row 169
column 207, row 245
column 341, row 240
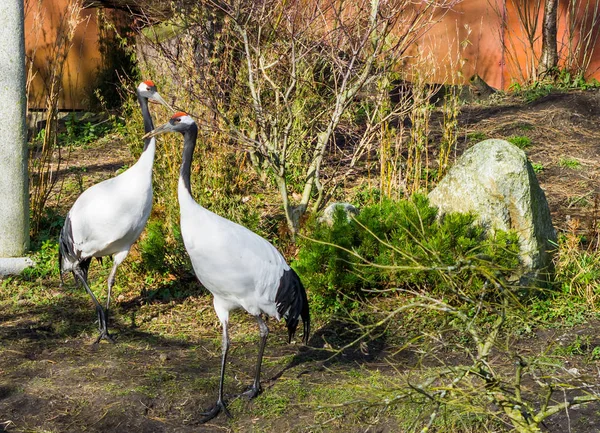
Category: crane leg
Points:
column 99, row 310
column 255, row 389
column 220, row 405
column 111, row 282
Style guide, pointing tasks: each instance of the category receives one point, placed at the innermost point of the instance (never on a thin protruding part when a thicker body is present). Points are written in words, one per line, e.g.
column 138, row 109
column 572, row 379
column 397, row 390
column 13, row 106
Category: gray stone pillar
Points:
column 14, row 192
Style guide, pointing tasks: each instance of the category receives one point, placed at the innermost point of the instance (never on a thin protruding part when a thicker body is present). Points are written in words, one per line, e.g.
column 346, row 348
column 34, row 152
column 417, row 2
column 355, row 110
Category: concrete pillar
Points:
column 14, row 191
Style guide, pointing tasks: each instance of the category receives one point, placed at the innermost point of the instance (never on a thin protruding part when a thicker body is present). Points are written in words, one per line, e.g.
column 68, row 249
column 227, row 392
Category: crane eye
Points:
column 178, row 119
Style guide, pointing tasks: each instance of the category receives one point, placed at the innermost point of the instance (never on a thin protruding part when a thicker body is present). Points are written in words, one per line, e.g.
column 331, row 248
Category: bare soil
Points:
column 163, row 371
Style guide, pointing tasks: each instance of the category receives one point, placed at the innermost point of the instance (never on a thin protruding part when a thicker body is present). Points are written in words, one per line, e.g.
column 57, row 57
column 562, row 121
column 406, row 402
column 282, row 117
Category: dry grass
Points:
column 44, row 158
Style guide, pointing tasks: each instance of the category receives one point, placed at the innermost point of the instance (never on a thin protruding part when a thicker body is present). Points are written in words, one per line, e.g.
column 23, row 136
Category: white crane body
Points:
column 107, row 218
column 239, row 268
column 110, row 216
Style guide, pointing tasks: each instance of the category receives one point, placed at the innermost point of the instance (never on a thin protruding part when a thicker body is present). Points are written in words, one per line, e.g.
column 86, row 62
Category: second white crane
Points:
column 107, row 218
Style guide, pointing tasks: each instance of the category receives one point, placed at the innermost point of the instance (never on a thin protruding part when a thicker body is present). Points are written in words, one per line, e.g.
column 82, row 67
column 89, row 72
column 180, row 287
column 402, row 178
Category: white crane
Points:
column 109, row 217
column 240, row 268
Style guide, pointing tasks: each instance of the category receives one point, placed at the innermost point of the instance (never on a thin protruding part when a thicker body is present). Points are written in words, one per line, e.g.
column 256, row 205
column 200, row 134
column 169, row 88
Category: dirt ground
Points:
column 163, row 371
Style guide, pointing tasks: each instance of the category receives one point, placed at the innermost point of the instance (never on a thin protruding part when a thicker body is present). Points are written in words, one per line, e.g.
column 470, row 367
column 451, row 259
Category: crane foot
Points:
column 252, row 391
column 104, row 335
column 217, row 409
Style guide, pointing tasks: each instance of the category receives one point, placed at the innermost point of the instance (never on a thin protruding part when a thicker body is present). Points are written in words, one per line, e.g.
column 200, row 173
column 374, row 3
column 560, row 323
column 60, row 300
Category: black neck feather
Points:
column 189, row 144
column 148, row 125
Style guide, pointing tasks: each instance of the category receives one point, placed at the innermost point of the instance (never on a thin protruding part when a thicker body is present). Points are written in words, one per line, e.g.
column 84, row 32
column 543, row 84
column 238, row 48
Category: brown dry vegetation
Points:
column 163, row 371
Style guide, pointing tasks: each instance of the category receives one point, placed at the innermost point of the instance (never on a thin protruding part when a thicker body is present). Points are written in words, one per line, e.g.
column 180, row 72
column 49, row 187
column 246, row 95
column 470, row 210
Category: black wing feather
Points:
column 66, row 244
column 66, row 249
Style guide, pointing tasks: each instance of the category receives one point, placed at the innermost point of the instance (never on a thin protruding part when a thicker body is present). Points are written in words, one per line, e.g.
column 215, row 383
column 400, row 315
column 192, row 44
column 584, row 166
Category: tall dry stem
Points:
column 582, row 31
column 451, row 106
column 45, row 161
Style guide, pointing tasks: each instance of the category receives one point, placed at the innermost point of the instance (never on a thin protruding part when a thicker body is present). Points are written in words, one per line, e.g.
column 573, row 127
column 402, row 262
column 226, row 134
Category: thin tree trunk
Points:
column 290, row 214
column 549, row 57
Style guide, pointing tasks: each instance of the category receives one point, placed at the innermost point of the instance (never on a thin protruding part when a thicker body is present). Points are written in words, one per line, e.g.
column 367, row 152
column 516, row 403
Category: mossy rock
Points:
column 494, row 180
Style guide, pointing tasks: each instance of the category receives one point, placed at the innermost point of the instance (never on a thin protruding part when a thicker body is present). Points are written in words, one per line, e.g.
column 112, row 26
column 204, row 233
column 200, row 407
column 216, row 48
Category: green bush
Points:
column 153, row 247
column 396, row 245
column 46, row 262
column 162, row 253
column 578, row 266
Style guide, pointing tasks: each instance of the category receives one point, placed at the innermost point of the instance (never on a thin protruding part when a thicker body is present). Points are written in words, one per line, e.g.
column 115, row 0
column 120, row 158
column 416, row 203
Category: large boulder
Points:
column 494, row 180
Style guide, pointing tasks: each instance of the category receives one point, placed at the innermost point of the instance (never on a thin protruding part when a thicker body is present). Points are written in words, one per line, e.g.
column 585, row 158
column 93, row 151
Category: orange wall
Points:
column 500, row 55
column 42, row 18
column 470, row 35
column 466, row 38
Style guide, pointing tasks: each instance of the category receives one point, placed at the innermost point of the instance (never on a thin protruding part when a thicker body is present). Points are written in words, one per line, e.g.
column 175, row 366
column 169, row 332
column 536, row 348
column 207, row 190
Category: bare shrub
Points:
column 304, row 89
column 582, row 31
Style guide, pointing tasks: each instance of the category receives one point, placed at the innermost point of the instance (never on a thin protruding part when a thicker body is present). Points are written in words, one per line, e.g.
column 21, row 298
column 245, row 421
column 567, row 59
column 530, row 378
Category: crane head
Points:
column 147, row 89
column 179, row 122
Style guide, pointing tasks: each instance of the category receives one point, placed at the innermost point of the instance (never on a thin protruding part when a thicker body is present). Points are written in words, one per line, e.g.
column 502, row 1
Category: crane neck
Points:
column 189, row 144
column 148, row 124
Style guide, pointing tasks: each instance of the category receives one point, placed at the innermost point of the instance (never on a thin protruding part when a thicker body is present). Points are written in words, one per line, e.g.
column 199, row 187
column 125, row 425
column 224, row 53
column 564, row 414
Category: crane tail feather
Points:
column 66, row 251
column 84, row 265
column 292, row 303
column 60, row 267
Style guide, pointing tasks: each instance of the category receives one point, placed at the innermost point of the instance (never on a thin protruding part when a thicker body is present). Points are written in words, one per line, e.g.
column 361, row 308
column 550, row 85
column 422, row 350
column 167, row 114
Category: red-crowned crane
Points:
column 240, row 268
column 109, row 217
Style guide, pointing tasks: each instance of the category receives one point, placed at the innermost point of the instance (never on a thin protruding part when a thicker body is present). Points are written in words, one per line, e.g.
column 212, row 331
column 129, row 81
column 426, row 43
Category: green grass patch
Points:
column 537, row 167
column 568, row 162
column 577, row 347
column 520, row 141
column 525, row 126
column 271, row 404
column 476, row 136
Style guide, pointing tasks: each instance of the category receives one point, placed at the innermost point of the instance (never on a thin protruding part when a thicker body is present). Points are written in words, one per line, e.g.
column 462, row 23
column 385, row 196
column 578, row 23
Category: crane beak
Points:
column 157, row 99
column 157, row 131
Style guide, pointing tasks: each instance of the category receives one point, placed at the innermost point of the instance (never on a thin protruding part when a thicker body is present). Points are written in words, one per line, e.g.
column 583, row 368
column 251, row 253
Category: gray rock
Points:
column 329, row 212
column 494, row 180
column 14, row 265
